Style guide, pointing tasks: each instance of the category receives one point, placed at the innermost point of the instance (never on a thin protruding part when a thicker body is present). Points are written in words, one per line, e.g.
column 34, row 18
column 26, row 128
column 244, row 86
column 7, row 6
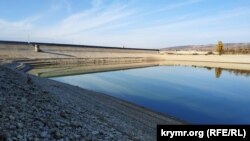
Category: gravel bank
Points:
column 33, row 108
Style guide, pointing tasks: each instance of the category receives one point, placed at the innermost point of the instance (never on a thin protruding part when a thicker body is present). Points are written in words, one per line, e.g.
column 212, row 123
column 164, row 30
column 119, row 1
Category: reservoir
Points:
column 198, row 95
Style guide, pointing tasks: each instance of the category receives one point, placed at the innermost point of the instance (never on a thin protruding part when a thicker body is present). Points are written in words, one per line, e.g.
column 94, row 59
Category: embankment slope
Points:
column 36, row 108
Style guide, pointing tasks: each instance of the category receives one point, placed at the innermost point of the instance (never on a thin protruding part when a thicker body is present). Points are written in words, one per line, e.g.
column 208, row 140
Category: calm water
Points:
column 196, row 95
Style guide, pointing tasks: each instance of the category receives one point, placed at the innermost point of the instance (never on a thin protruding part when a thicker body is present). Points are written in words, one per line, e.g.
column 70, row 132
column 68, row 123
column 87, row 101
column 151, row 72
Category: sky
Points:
column 128, row 23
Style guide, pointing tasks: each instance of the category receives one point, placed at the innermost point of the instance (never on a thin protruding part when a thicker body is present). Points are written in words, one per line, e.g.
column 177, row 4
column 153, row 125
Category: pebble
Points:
column 19, row 125
column 11, row 117
column 77, row 136
column 57, row 135
column 95, row 133
column 75, row 124
column 23, row 100
column 9, row 139
column 12, row 127
column 19, row 137
column 63, row 114
column 57, row 124
column 44, row 134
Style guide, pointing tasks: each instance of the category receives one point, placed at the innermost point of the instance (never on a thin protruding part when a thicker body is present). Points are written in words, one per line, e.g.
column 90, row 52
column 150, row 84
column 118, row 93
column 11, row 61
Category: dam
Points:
column 16, row 49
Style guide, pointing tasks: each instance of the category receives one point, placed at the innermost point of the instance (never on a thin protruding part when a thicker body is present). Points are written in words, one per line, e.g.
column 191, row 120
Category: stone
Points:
column 75, row 124
column 12, row 117
column 63, row 114
column 12, row 127
column 30, row 138
column 57, row 124
column 66, row 139
column 95, row 133
column 57, row 135
column 19, row 137
column 77, row 136
column 44, row 134
column 111, row 136
column 19, row 125
column 24, row 100
column 9, row 139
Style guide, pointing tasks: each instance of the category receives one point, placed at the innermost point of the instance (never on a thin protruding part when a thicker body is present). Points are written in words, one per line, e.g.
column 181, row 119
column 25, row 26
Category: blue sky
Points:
column 129, row 23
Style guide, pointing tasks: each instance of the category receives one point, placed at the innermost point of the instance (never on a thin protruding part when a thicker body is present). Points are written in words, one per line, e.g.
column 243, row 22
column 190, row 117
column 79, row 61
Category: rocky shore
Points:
column 33, row 109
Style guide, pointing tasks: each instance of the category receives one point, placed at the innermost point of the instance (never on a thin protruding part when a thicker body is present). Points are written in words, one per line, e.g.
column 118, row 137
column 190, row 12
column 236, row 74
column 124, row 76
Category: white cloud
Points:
column 18, row 30
column 80, row 24
column 121, row 24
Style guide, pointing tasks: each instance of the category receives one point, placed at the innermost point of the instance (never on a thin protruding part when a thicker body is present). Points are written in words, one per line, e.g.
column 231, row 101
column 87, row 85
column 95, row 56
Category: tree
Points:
column 219, row 47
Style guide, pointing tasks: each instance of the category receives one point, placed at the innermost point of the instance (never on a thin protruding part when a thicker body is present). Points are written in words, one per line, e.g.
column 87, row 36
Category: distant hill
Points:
column 209, row 47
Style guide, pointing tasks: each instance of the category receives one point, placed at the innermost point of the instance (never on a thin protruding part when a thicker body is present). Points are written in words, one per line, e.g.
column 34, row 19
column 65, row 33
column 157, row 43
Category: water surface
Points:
column 196, row 95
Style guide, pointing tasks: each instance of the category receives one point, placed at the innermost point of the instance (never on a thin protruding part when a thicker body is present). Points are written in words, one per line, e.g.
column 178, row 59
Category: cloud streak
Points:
column 119, row 24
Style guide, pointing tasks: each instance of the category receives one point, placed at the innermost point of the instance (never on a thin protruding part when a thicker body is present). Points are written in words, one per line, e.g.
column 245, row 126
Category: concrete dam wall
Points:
column 34, row 50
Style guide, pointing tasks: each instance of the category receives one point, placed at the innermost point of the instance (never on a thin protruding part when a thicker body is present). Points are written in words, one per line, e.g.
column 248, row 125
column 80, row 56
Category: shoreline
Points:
column 209, row 58
column 66, row 70
column 40, row 106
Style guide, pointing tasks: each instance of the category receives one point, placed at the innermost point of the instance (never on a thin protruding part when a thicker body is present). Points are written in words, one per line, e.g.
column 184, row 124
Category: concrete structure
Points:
column 37, row 48
column 12, row 49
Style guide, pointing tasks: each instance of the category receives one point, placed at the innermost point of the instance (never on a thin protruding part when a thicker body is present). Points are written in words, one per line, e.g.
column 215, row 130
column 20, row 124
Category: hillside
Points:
column 229, row 48
column 207, row 47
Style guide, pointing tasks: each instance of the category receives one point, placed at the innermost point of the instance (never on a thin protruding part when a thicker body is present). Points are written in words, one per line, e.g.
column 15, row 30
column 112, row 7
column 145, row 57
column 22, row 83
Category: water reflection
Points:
column 193, row 93
column 218, row 72
column 68, row 70
column 240, row 72
column 75, row 70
